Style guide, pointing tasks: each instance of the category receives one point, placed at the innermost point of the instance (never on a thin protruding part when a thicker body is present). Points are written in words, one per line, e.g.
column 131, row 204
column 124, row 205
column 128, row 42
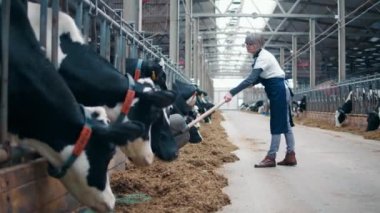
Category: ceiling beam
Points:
column 228, row 60
column 255, row 15
column 241, row 45
column 259, row 33
column 280, row 33
column 318, row 4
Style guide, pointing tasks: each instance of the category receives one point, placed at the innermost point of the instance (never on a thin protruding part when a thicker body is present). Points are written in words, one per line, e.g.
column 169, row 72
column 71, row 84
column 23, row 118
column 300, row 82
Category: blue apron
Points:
column 276, row 92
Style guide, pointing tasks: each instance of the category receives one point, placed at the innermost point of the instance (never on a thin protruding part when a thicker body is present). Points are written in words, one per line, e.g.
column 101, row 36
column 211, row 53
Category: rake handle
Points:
column 192, row 123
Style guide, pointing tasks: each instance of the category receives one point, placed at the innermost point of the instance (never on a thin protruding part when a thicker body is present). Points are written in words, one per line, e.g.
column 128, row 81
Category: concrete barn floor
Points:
column 336, row 172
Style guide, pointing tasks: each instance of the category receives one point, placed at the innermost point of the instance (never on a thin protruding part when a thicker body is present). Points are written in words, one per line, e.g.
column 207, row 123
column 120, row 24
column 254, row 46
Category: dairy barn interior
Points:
column 194, row 52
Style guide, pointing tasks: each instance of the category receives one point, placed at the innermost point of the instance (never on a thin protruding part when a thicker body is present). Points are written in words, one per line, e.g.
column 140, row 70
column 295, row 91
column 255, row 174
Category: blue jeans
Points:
column 276, row 138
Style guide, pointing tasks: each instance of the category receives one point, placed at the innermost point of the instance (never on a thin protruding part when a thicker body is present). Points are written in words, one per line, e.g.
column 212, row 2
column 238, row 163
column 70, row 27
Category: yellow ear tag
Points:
column 153, row 75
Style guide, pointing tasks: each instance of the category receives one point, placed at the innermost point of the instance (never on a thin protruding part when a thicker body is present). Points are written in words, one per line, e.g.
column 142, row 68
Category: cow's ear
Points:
column 162, row 98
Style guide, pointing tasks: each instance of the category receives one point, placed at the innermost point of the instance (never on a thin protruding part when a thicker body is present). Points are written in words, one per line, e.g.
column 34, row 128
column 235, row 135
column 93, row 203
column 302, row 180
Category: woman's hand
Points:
column 228, row 97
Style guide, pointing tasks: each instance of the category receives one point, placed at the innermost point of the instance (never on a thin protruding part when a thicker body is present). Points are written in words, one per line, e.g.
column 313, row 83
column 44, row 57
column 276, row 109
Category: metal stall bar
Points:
column 86, row 25
column 103, row 39
column 4, row 145
column 79, row 15
column 54, row 34
column 122, row 46
column 120, row 49
column 123, row 50
column 132, row 35
column 43, row 22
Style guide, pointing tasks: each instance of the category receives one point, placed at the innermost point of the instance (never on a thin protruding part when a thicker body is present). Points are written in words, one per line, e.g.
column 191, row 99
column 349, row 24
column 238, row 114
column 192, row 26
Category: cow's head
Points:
column 340, row 117
column 156, row 70
column 87, row 179
column 148, row 109
column 179, row 129
column 187, row 91
column 164, row 144
column 373, row 121
column 153, row 69
column 195, row 135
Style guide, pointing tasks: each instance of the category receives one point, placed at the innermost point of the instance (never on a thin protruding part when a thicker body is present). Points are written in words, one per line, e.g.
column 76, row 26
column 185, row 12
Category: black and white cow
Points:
column 153, row 69
column 44, row 114
column 244, row 106
column 183, row 105
column 165, row 144
column 254, row 107
column 341, row 112
column 203, row 104
column 95, row 82
column 373, row 119
column 298, row 107
column 302, row 104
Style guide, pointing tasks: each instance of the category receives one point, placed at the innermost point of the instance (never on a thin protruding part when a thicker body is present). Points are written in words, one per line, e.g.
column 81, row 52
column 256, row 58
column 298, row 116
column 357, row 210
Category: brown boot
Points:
column 289, row 160
column 267, row 162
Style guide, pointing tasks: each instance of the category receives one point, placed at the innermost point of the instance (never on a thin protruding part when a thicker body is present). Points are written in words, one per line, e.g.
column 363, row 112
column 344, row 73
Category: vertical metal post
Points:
column 86, row 25
column 123, row 52
column 103, row 38
column 173, row 44
column 43, row 22
column 93, row 28
column 199, row 61
column 54, row 40
column 5, row 13
column 131, row 10
column 64, row 6
column 294, row 61
column 108, row 43
column 312, row 52
column 79, row 15
column 133, row 50
column 188, row 38
column 341, row 41
column 282, row 57
column 195, row 50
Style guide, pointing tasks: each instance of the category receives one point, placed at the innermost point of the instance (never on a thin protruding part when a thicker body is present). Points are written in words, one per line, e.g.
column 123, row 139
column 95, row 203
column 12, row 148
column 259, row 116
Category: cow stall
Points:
column 23, row 173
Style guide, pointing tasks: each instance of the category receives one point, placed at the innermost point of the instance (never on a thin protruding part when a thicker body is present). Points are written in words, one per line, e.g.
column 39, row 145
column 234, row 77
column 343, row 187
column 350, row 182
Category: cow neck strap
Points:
column 79, row 146
column 138, row 69
column 129, row 96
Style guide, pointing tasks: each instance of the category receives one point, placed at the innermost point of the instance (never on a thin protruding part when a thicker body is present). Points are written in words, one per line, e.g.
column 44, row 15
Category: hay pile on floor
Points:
column 189, row 184
column 374, row 135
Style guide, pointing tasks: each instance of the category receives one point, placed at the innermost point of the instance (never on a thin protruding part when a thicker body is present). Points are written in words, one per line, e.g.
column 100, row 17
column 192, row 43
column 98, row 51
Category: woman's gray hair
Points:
column 253, row 38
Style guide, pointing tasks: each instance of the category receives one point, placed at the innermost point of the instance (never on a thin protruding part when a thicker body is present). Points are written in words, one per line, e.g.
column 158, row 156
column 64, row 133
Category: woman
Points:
column 267, row 71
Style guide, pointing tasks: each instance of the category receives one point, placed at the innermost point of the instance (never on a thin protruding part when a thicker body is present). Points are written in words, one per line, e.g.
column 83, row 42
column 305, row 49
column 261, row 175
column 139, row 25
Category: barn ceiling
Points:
column 226, row 57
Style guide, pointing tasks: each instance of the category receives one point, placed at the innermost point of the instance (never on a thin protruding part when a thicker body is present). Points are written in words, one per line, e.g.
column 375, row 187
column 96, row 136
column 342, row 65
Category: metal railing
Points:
column 365, row 95
column 110, row 18
column 4, row 143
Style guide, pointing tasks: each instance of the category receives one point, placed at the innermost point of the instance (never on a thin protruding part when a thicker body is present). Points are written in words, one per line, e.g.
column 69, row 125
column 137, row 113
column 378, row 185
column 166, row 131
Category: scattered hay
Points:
column 189, row 184
column 374, row 135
